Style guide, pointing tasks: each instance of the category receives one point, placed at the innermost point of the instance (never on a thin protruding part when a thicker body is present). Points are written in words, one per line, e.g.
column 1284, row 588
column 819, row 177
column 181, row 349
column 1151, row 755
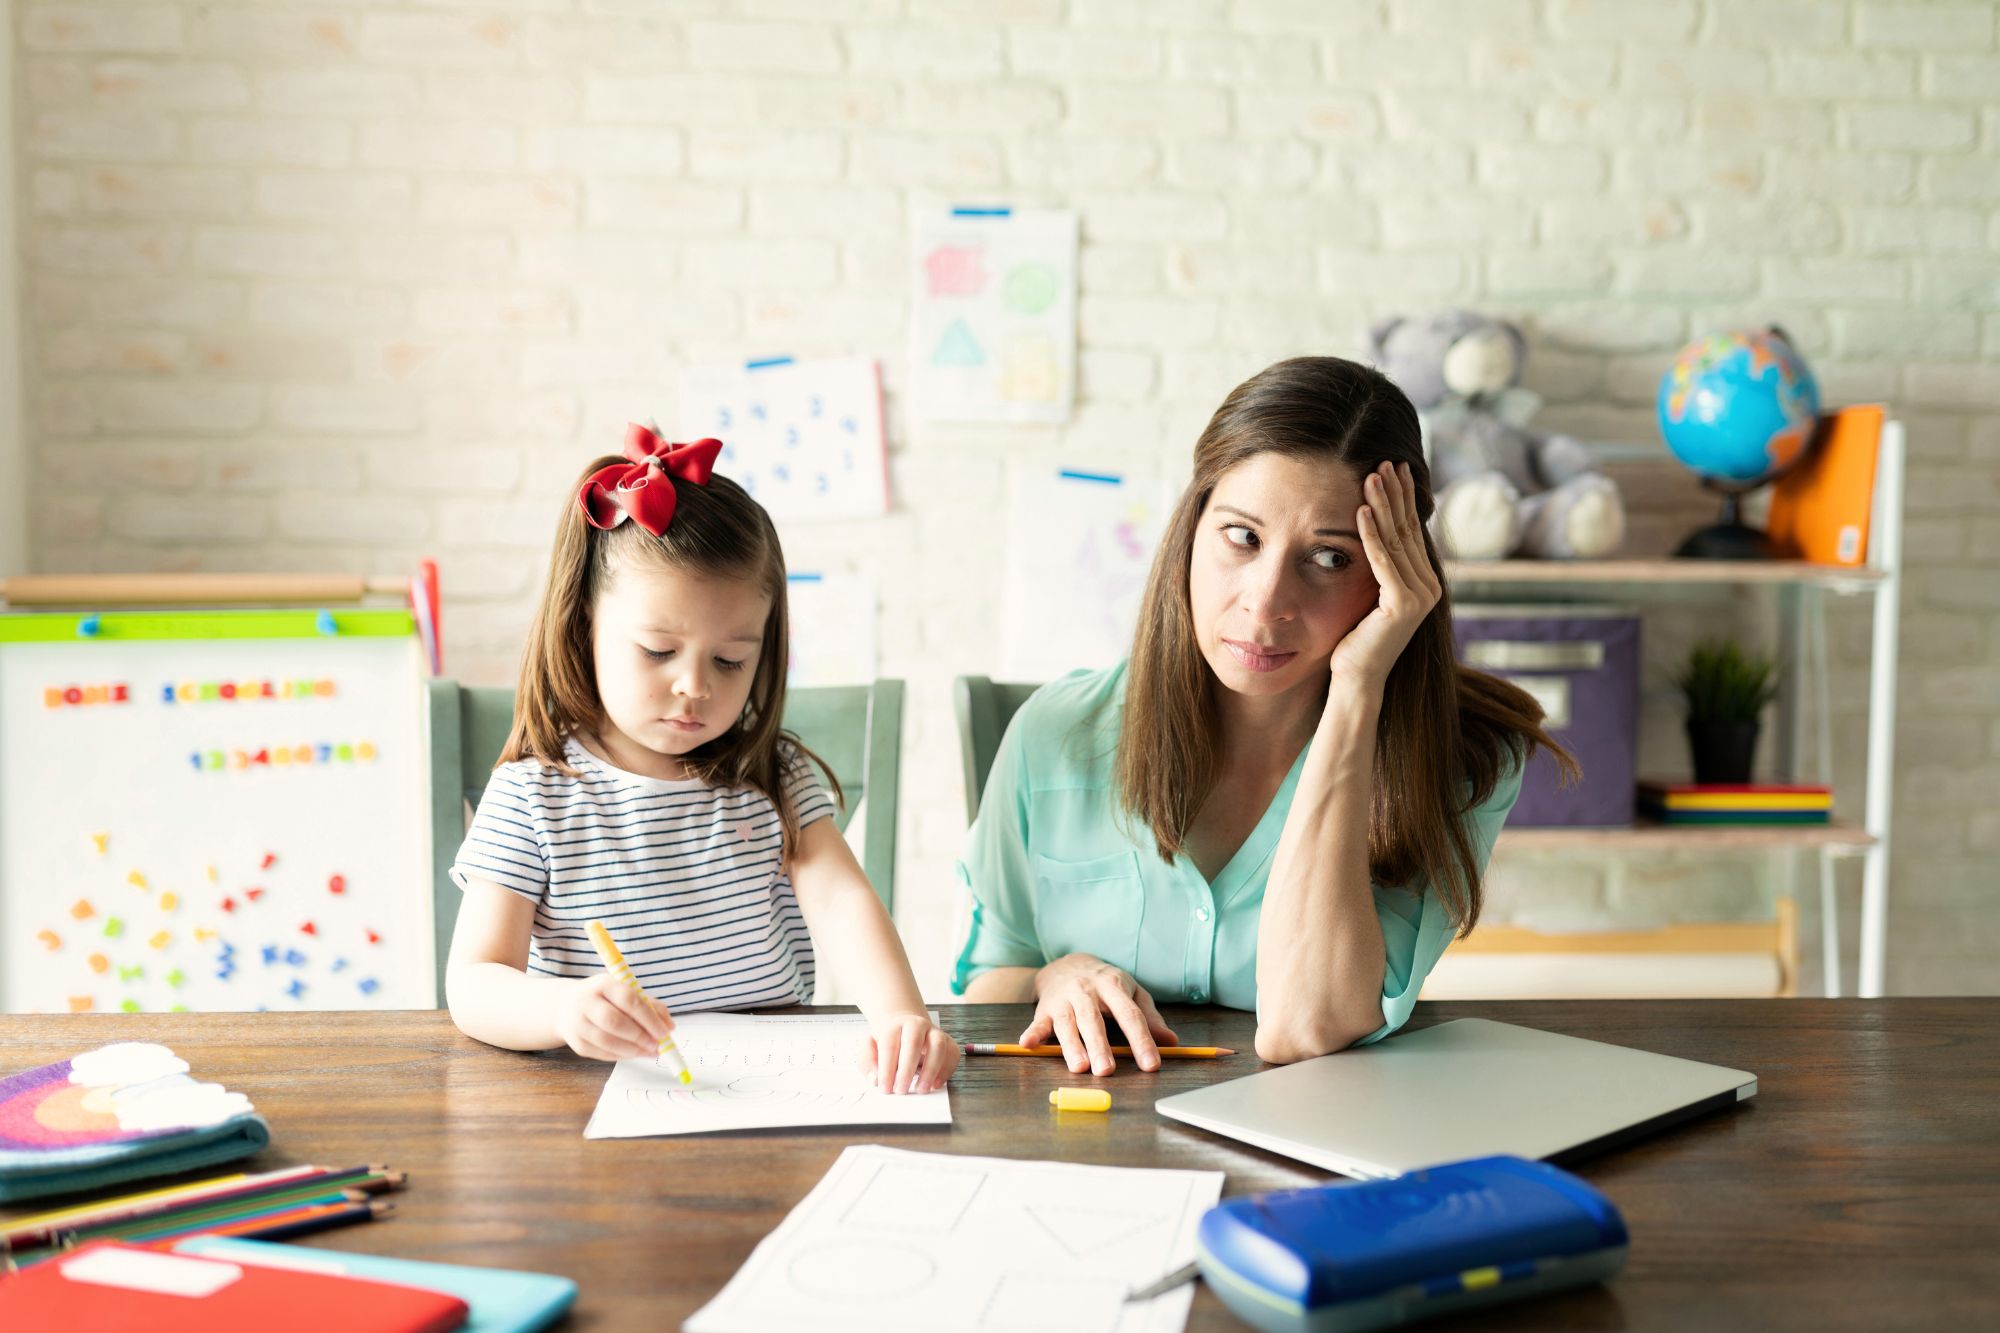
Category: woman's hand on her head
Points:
column 1073, row 994
column 909, row 1053
column 1393, row 537
column 603, row 1018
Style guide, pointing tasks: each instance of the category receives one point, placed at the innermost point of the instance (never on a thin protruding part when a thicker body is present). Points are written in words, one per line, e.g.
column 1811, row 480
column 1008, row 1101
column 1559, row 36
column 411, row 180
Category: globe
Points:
column 1739, row 408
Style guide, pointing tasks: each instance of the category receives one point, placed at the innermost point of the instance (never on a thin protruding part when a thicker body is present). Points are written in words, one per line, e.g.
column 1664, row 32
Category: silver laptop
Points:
column 1467, row 1088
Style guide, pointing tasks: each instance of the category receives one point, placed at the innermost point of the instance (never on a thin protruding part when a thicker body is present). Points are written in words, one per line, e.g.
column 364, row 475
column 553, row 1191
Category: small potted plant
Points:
column 1726, row 690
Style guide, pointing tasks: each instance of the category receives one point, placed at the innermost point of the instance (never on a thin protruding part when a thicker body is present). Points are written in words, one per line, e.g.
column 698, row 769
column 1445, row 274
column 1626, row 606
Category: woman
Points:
column 1285, row 798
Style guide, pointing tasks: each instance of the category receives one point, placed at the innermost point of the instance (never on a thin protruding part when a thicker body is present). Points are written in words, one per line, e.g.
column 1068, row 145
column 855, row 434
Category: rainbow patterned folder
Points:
column 122, row 1112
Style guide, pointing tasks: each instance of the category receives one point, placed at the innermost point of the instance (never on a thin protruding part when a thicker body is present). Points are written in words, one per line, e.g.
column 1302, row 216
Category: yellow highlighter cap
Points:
column 1080, row 1099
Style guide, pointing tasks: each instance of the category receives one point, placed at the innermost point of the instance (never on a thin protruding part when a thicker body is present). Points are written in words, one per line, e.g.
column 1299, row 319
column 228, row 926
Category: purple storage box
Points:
column 1582, row 664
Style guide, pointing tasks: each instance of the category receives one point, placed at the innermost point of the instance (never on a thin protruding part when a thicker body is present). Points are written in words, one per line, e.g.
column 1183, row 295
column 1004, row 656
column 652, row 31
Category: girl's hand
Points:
column 909, row 1053
column 1393, row 538
column 603, row 1018
column 1073, row 994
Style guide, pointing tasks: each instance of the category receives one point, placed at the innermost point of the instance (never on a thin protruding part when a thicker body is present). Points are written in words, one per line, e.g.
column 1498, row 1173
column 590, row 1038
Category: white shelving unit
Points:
column 1802, row 592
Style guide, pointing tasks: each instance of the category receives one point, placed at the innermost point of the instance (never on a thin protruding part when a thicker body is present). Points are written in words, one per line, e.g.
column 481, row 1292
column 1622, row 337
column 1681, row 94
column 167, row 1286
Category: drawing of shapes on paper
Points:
column 805, row 438
column 1079, row 549
column 993, row 325
column 993, row 1268
column 1080, row 1232
column 860, row 1271
column 914, row 1197
column 1025, row 1302
column 834, row 627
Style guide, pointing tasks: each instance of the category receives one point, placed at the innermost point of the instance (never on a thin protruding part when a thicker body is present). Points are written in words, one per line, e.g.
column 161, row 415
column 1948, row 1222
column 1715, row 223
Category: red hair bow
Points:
column 613, row 494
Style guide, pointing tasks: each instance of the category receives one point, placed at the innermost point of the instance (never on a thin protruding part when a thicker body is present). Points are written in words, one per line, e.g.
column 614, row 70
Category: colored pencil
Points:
column 31, row 1229
column 343, row 1190
column 278, row 1226
column 47, row 1228
column 1167, row 1052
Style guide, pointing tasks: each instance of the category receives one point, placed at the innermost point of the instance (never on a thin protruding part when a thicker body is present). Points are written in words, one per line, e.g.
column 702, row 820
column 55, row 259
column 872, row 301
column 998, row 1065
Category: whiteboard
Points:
column 208, row 824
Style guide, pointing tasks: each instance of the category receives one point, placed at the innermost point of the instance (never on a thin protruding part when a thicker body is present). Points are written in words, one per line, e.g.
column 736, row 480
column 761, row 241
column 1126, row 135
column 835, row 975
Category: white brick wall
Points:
column 290, row 263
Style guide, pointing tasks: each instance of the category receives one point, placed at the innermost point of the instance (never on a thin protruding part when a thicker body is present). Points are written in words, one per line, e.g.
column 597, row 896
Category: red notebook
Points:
column 113, row 1288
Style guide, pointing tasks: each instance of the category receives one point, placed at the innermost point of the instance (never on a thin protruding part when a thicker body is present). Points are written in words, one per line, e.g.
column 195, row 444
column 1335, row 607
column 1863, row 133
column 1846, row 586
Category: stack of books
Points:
column 1736, row 803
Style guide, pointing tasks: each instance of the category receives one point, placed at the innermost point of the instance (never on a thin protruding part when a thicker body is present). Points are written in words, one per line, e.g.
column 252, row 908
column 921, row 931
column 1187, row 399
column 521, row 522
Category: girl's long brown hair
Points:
column 718, row 531
column 1446, row 731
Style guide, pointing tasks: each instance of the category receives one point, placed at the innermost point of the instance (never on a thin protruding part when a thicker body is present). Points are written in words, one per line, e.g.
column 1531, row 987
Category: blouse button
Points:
column 1201, row 914
column 1198, row 996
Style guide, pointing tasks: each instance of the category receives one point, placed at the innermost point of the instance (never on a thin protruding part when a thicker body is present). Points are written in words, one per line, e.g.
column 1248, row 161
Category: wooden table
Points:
column 1860, row 1189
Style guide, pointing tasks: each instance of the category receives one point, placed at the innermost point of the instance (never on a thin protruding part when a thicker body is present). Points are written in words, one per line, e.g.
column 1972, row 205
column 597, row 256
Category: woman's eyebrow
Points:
column 1348, row 533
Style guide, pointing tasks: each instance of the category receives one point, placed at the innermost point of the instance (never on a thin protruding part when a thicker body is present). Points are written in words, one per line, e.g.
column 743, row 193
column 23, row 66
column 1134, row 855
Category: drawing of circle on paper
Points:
column 1029, row 289
column 870, row 1272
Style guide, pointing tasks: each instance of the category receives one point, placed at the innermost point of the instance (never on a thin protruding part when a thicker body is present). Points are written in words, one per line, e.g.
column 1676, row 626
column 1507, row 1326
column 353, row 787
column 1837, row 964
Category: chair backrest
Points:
column 984, row 709
column 856, row 729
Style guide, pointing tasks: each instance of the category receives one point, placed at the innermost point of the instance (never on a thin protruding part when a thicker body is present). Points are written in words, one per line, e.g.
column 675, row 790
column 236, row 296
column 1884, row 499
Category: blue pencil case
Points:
column 123, row 1112
column 1350, row 1257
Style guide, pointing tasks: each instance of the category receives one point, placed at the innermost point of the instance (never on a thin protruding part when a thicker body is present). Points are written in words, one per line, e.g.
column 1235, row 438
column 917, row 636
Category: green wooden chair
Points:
column 856, row 729
column 984, row 708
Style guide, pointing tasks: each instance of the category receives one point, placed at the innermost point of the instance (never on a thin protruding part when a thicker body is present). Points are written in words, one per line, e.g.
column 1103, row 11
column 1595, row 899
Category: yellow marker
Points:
column 608, row 951
column 1080, row 1099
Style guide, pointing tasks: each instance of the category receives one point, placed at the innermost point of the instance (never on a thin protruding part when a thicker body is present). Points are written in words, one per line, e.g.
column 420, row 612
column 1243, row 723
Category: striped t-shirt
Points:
column 686, row 876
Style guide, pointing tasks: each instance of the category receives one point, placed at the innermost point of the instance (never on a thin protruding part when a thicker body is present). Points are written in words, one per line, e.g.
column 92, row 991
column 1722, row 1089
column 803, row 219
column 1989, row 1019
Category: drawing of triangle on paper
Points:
column 957, row 347
column 1084, row 1231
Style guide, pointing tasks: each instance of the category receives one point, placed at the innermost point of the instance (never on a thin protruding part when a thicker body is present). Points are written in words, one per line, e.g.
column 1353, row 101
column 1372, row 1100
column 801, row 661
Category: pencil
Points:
column 38, row 1227
column 608, row 951
column 278, row 1226
column 345, row 1190
column 140, row 1209
column 1167, row 1052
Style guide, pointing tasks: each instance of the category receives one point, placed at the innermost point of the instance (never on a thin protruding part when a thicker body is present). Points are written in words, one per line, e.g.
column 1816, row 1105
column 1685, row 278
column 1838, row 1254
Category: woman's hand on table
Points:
column 1072, row 996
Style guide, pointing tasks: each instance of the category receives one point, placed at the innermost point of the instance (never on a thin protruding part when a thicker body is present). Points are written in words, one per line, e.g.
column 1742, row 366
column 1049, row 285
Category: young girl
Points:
column 647, row 784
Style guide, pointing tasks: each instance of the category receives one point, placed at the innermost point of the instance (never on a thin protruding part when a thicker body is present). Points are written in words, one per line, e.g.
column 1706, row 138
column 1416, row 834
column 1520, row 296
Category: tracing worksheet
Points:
column 757, row 1071
column 891, row 1239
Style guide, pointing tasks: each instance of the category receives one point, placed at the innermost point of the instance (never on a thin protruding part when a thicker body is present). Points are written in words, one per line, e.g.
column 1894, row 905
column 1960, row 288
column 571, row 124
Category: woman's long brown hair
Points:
column 1446, row 731
column 718, row 531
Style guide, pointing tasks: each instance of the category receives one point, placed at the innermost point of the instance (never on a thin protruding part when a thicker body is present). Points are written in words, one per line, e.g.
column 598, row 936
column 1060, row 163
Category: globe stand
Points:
column 1729, row 538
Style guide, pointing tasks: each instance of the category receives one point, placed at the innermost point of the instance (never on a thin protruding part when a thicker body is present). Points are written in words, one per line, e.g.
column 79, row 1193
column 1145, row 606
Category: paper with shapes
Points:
column 993, row 325
column 833, row 619
column 805, row 438
column 1079, row 548
column 757, row 1071
column 891, row 1239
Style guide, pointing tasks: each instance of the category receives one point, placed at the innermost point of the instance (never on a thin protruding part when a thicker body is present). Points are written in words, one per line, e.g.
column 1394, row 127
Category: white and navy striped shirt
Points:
column 687, row 877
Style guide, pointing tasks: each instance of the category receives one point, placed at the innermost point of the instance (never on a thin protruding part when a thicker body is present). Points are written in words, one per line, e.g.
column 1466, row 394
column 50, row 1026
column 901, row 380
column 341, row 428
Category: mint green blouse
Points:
column 1055, row 867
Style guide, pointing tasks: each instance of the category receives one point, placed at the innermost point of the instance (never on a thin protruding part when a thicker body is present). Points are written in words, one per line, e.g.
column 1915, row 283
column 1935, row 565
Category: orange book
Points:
column 1820, row 509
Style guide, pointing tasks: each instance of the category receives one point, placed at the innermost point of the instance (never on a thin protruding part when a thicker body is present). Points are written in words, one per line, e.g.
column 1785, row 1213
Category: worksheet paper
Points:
column 896, row 1240
column 757, row 1071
